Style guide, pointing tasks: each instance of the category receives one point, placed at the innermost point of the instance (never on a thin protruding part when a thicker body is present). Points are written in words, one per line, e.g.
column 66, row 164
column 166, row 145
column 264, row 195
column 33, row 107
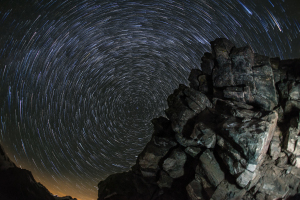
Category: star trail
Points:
column 81, row 79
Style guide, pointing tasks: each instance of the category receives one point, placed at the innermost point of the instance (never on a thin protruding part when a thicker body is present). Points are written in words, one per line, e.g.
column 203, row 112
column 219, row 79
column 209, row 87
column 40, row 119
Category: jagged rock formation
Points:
column 232, row 134
column 17, row 184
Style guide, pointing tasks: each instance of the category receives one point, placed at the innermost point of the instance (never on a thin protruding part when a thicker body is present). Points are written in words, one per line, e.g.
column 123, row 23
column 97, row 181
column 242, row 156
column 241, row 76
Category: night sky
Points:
column 81, row 79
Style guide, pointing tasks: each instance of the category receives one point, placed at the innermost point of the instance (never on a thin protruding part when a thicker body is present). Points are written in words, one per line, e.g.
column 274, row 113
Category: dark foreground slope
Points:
column 232, row 134
column 19, row 184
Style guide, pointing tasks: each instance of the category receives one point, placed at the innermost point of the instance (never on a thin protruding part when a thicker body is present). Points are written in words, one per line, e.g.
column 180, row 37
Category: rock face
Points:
column 233, row 134
column 16, row 183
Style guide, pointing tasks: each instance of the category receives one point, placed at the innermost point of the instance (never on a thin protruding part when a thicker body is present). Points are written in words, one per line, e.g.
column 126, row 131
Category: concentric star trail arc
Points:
column 81, row 80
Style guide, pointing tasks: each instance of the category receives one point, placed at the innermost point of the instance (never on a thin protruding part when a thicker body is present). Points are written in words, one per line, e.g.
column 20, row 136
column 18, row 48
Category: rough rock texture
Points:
column 233, row 134
column 174, row 164
column 17, row 184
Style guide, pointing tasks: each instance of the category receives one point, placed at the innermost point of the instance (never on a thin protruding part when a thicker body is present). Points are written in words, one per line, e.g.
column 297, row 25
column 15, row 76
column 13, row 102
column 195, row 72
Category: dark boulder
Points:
column 193, row 78
column 222, row 73
column 126, row 186
column 208, row 63
column 174, row 163
column 155, row 150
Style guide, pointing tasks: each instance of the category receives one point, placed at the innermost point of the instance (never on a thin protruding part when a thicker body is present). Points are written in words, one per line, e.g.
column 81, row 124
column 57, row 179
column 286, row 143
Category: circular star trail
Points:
column 81, row 80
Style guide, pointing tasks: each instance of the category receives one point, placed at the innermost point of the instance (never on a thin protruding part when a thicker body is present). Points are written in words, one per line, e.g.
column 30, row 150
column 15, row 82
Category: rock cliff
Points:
column 232, row 134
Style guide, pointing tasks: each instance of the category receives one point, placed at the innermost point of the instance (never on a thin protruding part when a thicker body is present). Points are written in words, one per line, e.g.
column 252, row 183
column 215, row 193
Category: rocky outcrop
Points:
column 16, row 183
column 232, row 134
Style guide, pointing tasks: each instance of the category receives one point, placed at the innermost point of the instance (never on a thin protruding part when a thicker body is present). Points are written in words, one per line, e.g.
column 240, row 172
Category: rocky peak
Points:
column 232, row 134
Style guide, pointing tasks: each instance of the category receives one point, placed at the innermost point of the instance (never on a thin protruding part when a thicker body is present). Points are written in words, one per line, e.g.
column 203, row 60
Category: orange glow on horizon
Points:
column 51, row 185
